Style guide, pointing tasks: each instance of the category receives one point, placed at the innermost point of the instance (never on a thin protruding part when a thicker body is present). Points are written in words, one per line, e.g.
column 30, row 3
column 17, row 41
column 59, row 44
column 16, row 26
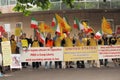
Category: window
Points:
column 19, row 24
column 54, row 0
column 12, row 2
column 4, row 2
column 7, row 2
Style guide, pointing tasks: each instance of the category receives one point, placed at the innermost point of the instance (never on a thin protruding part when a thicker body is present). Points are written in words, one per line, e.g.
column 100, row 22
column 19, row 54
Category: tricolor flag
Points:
column 54, row 22
column 89, row 30
column 98, row 35
column 34, row 23
column 59, row 30
column 65, row 19
column 77, row 24
column 40, row 36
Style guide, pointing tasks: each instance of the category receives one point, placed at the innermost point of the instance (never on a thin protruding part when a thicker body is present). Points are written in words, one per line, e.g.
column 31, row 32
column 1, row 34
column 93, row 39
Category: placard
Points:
column 16, row 63
column 80, row 53
column 6, row 52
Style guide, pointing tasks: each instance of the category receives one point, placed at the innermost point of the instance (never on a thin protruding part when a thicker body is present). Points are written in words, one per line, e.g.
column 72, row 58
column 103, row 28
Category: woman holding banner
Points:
column 48, row 43
column 80, row 42
column 103, row 41
column 36, row 43
column 57, row 43
column 3, row 38
column 112, row 41
column 25, row 44
column 93, row 42
column 68, row 43
column 118, row 43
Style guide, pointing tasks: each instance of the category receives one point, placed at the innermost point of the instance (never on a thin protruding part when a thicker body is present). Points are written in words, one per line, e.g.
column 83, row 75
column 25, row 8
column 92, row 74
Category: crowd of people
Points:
column 67, row 41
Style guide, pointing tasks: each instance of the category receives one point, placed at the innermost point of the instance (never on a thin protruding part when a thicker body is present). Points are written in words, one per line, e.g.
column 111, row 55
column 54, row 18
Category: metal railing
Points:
column 78, row 4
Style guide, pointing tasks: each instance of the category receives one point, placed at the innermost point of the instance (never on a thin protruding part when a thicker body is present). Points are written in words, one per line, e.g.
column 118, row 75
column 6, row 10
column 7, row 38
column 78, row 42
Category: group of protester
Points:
column 76, row 41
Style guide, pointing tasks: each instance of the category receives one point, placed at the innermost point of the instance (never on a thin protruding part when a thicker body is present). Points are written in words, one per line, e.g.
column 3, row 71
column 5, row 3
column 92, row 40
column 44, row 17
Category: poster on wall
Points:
column 6, row 53
column 7, row 27
column 16, row 63
column 118, row 29
column 18, row 29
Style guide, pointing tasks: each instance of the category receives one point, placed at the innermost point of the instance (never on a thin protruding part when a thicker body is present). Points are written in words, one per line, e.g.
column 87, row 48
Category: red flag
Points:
column 2, row 30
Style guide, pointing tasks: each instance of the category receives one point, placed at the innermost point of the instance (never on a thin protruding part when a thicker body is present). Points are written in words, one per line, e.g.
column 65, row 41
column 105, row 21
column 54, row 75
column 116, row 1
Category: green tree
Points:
column 24, row 5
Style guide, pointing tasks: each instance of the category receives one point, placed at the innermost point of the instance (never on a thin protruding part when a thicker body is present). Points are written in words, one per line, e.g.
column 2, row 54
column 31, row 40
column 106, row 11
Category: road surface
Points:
column 112, row 73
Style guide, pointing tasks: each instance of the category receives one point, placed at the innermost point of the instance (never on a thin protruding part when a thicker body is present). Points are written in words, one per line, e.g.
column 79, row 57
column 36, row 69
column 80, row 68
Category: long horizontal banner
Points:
column 42, row 54
column 68, row 53
column 80, row 53
column 107, row 52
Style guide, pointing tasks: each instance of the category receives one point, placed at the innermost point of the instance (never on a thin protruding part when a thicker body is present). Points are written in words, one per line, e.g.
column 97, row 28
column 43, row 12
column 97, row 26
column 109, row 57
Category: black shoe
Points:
column 24, row 67
column 2, row 72
column 71, row 67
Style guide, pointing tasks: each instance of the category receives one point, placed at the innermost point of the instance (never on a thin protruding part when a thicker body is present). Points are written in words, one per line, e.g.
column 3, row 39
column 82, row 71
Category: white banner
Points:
column 107, row 52
column 16, row 63
column 42, row 54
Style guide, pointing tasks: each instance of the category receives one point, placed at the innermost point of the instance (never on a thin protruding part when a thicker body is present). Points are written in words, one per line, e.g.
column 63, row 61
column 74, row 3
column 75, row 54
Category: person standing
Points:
column 68, row 43
column 104, row 41
column 93, row 42
column 2, row 39
column 36, row 43
column 112, row 41
column 25, row 44
column 118, row 43
column 80, row 42
column 13, row 44
column 48, row 43
column 57, row 43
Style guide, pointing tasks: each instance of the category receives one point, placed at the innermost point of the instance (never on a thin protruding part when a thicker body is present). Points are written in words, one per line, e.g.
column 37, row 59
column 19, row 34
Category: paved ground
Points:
column 64, row 74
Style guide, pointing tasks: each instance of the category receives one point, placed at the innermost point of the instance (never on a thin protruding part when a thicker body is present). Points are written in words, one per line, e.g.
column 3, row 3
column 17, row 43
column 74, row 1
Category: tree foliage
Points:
column 24, row 5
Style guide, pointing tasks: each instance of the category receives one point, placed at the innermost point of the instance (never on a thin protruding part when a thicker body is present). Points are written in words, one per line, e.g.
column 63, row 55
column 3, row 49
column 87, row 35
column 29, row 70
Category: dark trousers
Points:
column 69, row 64
column 80, row 64
column 105, row 62
column 1, row 70
column 58, row 64
column 35, row 64
column 24, row 64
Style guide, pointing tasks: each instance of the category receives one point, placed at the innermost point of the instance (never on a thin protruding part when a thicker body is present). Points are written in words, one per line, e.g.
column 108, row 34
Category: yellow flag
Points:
column 106, row 27
column 63, row 24
column 45, row 28
column 41, row 27
column 85, row 25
